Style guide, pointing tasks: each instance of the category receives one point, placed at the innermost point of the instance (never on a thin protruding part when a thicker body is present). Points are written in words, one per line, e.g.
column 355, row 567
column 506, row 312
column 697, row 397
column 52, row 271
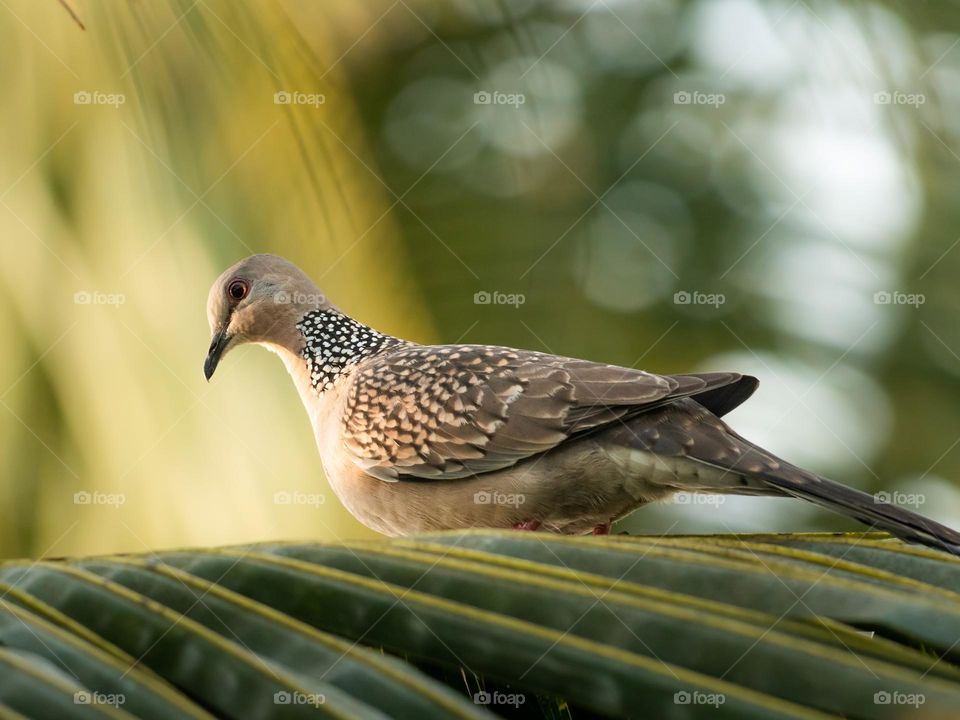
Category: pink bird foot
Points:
column 527, row 525
column 601, row 529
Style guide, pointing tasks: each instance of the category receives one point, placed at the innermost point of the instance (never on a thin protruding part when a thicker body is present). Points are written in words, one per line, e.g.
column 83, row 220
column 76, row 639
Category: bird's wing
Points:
column 452, row 411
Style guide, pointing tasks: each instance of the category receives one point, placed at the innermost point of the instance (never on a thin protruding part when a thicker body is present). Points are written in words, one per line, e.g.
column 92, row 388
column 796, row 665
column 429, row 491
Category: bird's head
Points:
column 259, row 299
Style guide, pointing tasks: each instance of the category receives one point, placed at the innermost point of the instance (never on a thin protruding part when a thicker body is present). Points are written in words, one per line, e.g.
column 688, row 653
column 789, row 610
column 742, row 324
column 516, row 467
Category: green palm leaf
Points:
column 465, row 625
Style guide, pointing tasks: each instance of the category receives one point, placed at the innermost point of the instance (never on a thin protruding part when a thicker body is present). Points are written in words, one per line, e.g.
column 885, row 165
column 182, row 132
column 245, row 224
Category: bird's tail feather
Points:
column 687, row 429
column 905, row 524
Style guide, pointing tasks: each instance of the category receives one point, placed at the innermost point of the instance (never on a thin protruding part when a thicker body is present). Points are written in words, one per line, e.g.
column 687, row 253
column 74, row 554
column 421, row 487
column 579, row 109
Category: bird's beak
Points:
column 220, row 341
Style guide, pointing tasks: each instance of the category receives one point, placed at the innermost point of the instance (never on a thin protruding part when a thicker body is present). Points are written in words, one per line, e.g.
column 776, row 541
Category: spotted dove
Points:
column 417, row 438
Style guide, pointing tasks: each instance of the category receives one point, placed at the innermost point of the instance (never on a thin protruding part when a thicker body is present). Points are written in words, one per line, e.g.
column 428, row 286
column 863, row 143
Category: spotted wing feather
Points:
column 452, row 411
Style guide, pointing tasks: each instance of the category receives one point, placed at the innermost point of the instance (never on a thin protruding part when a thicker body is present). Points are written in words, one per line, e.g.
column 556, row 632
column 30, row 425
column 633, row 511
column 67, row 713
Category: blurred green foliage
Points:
column 768, row 187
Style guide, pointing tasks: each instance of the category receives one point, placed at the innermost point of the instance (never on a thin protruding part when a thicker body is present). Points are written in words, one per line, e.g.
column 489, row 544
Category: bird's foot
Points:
column 603, row 529
column 527, row 525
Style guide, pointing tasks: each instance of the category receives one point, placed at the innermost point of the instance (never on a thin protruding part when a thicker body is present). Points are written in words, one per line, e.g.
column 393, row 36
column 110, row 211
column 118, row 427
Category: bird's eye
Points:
column 237, row 290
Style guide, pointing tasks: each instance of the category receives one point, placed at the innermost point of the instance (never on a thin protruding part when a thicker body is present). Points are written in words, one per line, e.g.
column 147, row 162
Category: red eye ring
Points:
column 237, row 290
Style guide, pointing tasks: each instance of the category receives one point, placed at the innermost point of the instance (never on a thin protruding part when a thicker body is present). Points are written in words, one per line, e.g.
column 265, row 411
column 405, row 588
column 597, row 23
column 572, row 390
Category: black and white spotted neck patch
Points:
column 333, row 343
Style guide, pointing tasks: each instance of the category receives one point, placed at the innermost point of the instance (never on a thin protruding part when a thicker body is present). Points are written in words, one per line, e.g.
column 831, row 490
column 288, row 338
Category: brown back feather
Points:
column 453, row 411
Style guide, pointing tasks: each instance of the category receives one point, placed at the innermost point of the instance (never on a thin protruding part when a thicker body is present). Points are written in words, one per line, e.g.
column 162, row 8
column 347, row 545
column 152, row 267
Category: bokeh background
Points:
column 717, row 184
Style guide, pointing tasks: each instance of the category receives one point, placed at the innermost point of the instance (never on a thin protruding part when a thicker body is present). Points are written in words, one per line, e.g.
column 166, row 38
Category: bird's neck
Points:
column 334, row 343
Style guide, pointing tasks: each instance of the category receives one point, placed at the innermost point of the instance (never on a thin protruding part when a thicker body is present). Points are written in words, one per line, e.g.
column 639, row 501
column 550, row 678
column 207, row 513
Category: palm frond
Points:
column 464, row 625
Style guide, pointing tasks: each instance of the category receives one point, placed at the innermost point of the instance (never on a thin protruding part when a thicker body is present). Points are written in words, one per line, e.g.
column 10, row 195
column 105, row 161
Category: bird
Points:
column 420, row 438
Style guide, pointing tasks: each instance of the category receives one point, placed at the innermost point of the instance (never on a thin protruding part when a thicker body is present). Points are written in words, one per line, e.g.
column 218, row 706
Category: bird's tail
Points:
column 869, row 509
column 686, row 429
